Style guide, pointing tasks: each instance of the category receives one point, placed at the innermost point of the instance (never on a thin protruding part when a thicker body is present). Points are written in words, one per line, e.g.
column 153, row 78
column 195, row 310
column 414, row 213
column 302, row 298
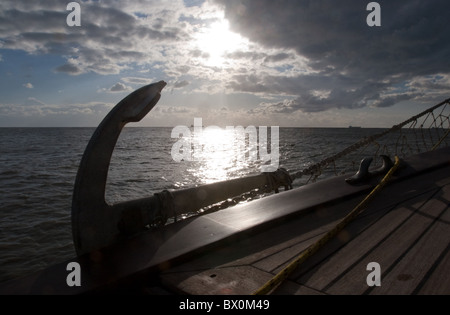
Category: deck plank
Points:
column 332, row 246
column 256, row 247
column 408, row 274
column 321, row 276
column 387, row 199
column 273, row 248
column 266, row 251
column 234, row 281
column 237, row 280
column 438, row 282
column 316, row 224
column 262, row 250
column 256, row 233
column 389, row 251
column 250, row 250
column 384, row 232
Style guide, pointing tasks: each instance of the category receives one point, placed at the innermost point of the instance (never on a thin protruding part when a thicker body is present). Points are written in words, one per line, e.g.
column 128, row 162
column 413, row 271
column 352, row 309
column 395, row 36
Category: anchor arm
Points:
column 91, row 215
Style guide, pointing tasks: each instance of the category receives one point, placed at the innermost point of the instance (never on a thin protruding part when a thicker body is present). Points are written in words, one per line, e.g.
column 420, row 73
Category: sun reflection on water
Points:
column 217, row 155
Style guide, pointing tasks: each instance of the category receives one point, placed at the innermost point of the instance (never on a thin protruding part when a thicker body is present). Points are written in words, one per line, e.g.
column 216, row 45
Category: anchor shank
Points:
column 93, row 223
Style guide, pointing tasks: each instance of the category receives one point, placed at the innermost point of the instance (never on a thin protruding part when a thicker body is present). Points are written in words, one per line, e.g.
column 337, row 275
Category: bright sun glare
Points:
column 217, row 40
column 220, row 158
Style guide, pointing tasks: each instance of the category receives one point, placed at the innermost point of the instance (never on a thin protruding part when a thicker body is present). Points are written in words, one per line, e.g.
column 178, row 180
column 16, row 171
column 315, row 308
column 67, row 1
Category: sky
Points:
column 281, row 63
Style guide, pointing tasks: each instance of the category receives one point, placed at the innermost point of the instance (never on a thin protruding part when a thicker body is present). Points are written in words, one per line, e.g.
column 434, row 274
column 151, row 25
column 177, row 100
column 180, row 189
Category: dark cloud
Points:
column 250, row 55
column 278, row 57
column 357, row 64
column 255, row 56
column 35, row 20
column 181, row 84
column 109, row 38
column 69, row 69
column 306, row 55
column 330, row 33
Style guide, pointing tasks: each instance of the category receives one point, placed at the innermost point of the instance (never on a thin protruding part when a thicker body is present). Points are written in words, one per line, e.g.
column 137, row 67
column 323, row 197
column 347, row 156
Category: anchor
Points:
column 363, row 174
column 94, row 222
column 97, row 224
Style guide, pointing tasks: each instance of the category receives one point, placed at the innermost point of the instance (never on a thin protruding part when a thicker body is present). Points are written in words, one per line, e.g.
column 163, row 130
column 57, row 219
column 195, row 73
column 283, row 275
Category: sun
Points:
column 216, row 40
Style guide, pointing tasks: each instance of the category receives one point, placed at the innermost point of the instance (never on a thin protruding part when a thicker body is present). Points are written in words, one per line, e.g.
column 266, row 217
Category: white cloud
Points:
column 138, row 80
column 28, row 85
column 120, row 87
column 116, row 88
column 34, row 102
column 115, row 37
column 69, row 68
column 110, row 38
column 297, row 57
column 34, row 109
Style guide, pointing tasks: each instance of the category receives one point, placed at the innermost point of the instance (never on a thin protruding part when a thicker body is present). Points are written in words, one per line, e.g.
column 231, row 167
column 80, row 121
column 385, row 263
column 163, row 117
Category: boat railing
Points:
column 421, row 133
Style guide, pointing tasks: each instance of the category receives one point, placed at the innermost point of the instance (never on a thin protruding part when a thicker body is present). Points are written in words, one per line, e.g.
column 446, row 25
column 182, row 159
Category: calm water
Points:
column 38, row 168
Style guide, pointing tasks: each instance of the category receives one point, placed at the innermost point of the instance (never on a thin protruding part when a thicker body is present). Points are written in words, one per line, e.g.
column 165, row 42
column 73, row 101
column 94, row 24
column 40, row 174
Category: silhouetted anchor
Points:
column 97, row 224
column 94, row 222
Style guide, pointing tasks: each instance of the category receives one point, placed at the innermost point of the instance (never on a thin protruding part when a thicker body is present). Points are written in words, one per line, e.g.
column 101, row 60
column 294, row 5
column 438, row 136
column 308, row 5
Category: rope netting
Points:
column 421, row 133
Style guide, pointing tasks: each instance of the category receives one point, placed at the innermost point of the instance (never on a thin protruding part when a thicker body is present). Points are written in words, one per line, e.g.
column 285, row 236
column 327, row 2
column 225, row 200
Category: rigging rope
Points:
column 437, row 123
column 415, row 135
column 273, row 283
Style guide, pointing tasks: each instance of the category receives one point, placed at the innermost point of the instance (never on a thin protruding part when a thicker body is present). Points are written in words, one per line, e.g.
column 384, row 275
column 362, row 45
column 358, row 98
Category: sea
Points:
column 38, row 167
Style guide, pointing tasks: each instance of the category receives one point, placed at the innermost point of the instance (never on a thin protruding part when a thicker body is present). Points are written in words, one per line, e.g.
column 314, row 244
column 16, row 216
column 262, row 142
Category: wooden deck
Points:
column 406, row 230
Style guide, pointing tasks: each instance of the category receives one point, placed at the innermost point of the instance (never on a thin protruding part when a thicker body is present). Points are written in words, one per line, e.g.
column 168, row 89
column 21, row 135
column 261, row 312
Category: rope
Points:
column 166, row 209
column 440, row 141
column 415, row 124
column 273, row 283
column 277, row 179
column 383, row 143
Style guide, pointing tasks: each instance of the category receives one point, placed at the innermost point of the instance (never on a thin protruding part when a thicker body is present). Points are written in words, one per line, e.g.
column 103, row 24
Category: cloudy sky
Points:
column 230, row 62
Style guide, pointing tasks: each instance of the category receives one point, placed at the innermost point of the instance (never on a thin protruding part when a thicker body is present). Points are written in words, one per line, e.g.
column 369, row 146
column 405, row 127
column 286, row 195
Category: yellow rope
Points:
column 283, row 274
column 440, row 141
